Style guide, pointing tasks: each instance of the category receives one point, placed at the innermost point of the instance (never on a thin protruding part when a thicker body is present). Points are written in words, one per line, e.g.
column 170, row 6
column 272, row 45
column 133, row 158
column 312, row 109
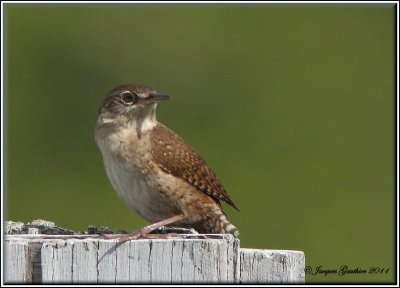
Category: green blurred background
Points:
column 292, row 107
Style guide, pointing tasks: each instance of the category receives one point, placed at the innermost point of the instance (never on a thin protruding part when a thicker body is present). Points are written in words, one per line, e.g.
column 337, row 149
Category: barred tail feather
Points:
column 223, row 226
column 231, row 229
column 217, row 224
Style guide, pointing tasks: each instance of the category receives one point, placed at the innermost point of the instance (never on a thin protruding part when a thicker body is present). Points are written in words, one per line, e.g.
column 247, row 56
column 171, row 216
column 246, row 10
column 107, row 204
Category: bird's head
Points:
column 130, row 103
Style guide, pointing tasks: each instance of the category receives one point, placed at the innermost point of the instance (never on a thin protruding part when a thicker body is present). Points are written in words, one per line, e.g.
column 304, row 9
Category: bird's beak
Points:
column 155, row 97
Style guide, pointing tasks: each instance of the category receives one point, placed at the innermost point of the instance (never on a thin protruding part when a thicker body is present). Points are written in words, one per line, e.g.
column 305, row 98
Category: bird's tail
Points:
column 219, row 224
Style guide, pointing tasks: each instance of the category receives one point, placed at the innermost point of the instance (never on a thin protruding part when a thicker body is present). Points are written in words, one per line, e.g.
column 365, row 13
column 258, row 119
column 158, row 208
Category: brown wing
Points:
column 179, row 159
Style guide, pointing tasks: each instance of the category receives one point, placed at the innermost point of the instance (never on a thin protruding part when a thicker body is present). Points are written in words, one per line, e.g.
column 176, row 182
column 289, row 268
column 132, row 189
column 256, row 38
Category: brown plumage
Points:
column 153, row 170
column 175, row 156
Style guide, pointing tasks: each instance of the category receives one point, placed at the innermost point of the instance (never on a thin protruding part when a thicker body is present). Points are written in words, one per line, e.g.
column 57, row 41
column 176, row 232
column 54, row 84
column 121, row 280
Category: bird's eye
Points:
column 129, row 98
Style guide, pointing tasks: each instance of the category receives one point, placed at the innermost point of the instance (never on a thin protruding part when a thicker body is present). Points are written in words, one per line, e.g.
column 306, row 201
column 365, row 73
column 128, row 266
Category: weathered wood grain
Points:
column 17, row 260
column 185, row 259
column 271, row 266
column 57, row 259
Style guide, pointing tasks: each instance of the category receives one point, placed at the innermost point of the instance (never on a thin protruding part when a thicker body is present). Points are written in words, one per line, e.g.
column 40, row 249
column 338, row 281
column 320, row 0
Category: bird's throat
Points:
column 144, row 120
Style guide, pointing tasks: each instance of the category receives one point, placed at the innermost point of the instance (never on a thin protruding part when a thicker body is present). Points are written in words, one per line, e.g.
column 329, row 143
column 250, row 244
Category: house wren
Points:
column 153, row 170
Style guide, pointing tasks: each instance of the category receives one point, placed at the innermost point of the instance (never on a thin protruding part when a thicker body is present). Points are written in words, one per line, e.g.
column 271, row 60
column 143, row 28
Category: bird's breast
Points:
column 126, row 160
column 137, row 190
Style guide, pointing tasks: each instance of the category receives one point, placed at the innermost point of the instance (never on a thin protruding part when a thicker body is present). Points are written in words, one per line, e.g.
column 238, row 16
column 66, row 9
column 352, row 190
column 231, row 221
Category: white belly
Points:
column 137, row 191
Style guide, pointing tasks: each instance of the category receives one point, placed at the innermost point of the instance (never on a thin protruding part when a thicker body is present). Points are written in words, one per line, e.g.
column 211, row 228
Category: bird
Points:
column 155, row 172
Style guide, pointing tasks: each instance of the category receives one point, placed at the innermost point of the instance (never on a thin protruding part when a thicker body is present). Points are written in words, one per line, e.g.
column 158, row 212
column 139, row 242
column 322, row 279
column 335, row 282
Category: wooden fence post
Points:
column 186, row 259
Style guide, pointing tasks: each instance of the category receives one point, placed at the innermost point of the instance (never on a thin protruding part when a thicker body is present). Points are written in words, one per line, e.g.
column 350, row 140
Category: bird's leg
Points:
column 146, row 230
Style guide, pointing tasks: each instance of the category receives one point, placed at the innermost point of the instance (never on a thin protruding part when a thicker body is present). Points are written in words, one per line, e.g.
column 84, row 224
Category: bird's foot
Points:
column 142, row 232
column 173, row 230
